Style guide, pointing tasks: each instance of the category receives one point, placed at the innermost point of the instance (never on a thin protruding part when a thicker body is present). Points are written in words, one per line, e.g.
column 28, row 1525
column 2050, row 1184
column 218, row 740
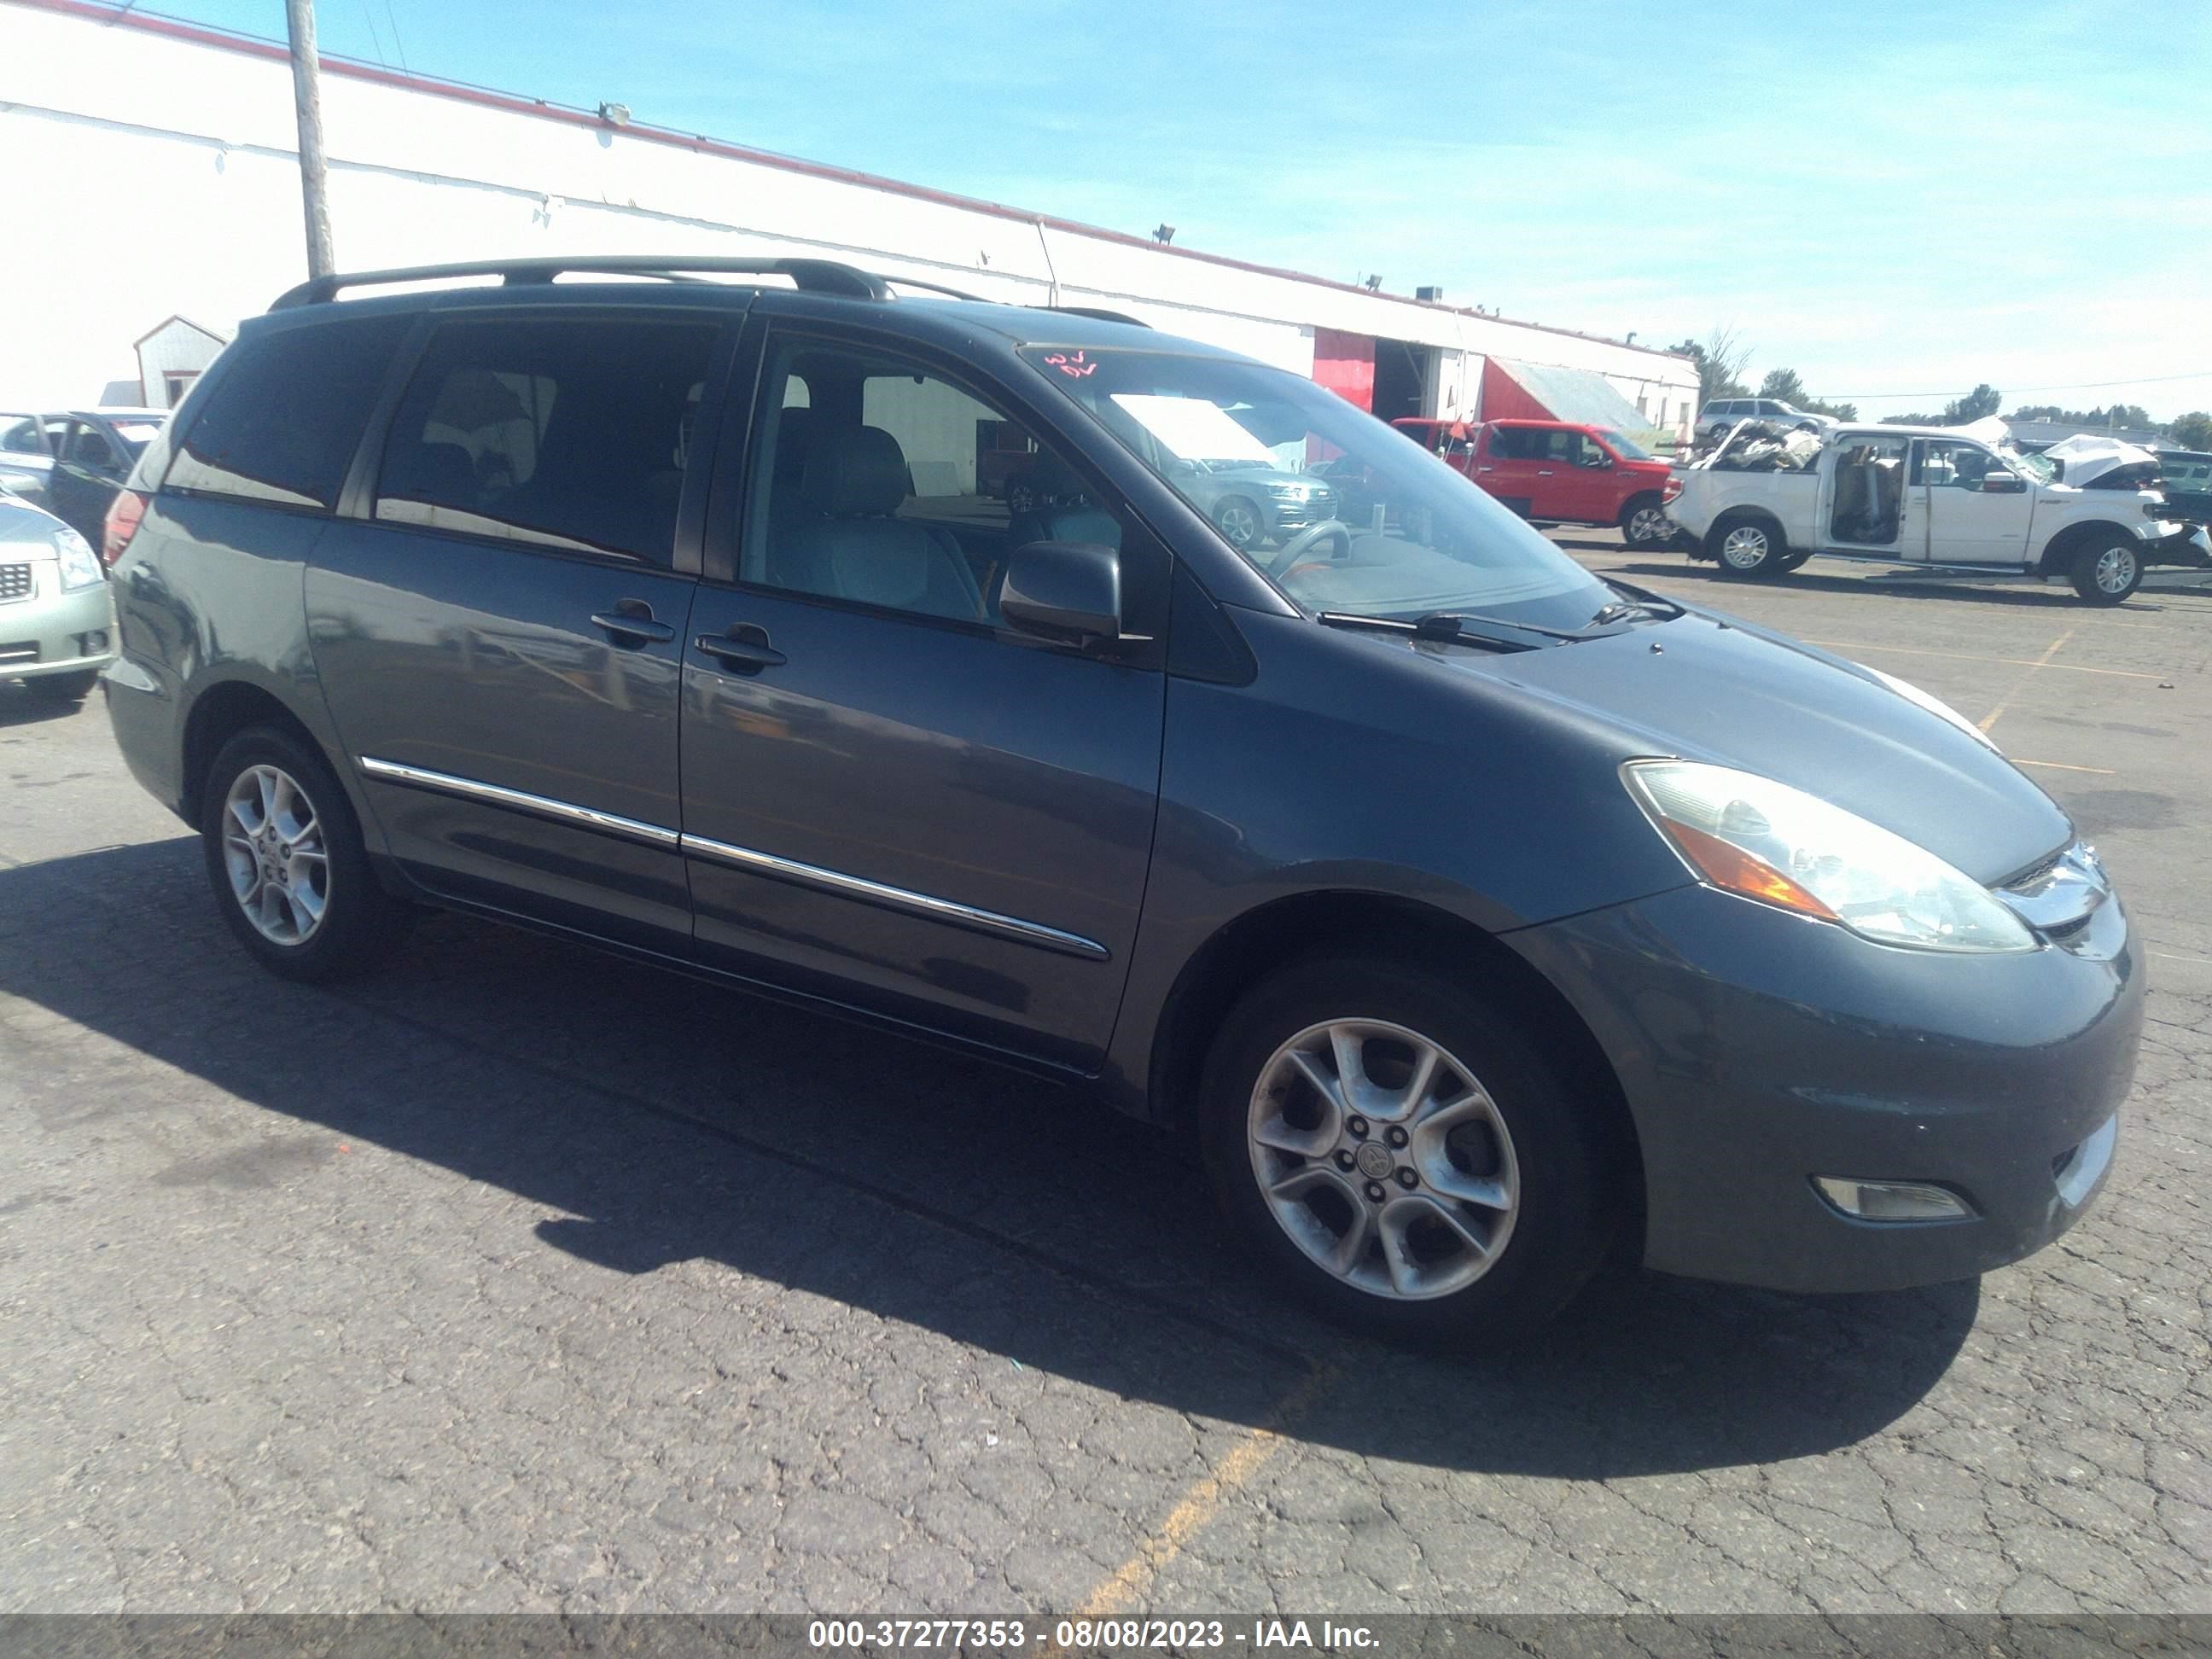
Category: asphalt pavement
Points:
column 517, row 1277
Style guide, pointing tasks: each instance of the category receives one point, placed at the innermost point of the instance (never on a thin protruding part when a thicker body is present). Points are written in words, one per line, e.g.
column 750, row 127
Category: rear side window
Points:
column 282, row 425
column 569, row 434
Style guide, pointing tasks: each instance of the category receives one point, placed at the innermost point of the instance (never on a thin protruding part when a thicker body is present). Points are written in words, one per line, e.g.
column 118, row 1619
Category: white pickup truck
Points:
column 1933, row 499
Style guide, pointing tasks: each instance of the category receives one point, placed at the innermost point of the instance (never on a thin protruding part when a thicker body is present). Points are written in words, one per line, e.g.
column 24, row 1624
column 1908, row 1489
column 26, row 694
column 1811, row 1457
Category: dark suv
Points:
column 1467, row 912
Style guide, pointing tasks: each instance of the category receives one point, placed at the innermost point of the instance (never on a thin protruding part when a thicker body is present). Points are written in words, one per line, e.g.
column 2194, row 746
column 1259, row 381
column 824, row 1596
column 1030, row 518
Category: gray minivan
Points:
column 1474, row 919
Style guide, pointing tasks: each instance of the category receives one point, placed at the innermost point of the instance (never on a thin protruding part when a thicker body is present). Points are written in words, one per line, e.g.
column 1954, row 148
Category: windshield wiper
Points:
column 1428, row 627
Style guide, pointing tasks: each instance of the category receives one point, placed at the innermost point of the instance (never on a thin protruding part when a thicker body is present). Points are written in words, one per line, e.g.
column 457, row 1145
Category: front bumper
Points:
column 1295, row 513
column 50, row 631
column 1759, row 1049
column 2171, row 543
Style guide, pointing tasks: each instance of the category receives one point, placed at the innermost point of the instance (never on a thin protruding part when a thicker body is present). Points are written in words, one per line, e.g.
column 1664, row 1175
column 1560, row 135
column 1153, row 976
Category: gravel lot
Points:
column 520, row 1278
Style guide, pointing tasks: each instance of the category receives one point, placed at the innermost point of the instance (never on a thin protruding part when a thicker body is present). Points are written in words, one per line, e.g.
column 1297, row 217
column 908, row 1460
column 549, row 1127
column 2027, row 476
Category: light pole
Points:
column 307, row 98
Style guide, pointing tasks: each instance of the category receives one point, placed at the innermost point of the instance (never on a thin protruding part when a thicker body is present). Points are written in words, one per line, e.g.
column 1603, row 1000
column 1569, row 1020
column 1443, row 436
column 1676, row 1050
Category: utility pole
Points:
column 307, row 97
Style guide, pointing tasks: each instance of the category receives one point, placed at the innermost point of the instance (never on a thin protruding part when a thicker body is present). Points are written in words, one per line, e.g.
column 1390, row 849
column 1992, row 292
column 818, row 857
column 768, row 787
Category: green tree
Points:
column 1984, row 399
column 1786, row 384
column 2193, row 430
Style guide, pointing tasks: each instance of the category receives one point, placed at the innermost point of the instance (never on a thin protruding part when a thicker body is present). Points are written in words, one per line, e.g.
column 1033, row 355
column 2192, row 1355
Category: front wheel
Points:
column 2108, row 570
column 1241, row 523
column 1404, row 1156
column 285, row 859
column 1644, row 523
column 1747, row 547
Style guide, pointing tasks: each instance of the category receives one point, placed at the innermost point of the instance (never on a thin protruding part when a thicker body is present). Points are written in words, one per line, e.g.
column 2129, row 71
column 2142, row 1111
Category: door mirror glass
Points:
column 1997, row 482
column 1064, row 591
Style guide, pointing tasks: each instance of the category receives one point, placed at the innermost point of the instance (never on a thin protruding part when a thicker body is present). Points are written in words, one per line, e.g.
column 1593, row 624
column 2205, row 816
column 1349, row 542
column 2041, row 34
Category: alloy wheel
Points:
column 1745, row 548
column 2116, row 569
column 1384, row 1158
column 273, row 848
column 1648, row 524
column 1239, row 522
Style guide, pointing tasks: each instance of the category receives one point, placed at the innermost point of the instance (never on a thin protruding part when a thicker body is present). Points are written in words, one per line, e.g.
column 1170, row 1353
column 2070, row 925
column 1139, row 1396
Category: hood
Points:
column 1721, row 691
column 2086, row 457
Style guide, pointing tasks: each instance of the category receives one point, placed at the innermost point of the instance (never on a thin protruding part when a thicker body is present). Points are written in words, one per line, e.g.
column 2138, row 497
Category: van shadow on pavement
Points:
column 670, row 1121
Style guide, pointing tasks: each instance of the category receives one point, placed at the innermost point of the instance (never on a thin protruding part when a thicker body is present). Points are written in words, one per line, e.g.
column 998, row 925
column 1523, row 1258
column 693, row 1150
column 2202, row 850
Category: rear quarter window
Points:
column 281, row 425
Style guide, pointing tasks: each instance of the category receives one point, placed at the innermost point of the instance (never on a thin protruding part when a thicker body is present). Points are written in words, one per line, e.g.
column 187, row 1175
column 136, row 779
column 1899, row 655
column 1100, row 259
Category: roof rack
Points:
column 1097, row 315
column 810, row 275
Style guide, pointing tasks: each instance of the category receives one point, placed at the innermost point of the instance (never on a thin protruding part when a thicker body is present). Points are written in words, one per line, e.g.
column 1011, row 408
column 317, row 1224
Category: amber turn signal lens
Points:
column 1739, row 871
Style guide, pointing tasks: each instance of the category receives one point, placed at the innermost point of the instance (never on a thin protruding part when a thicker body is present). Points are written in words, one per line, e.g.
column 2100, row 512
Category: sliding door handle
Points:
column 744, row 650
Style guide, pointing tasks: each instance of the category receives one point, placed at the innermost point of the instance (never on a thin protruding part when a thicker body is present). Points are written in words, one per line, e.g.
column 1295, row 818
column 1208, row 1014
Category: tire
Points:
column 1717, row 432
column 1240, row 522
column 1790, row 562
column 1644, row 523
column 1521, row 1131
column 63, row 688
column 1020, row 498
column 323, row 915
column 1745, row 548
column 2108, row 569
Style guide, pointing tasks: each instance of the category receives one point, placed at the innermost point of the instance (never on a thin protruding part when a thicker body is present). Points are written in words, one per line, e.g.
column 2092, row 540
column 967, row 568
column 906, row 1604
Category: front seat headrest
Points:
column 856, row 471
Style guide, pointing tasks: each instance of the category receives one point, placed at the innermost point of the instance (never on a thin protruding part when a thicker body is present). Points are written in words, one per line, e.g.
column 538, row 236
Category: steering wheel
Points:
column 1291, row 550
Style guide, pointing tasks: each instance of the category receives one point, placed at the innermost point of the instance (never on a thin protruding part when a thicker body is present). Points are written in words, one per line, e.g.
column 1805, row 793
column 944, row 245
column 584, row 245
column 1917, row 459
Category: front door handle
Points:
column 630, row 624
column 744, row 650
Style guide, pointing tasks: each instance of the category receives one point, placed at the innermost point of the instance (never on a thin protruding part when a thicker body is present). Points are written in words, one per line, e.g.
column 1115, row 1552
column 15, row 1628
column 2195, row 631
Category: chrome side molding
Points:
column 897, row 898
column 949, row 911
column 544, row 806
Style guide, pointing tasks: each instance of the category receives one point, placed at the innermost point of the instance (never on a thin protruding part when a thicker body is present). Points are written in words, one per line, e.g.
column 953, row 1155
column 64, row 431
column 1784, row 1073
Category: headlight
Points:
column 1748, row 835
column 1935, row 706
column 80, row 565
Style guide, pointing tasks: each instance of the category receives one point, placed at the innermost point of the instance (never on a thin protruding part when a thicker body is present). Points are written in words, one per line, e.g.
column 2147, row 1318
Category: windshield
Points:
column 1626, row 448
column 1335, row 509
column 2028, row 466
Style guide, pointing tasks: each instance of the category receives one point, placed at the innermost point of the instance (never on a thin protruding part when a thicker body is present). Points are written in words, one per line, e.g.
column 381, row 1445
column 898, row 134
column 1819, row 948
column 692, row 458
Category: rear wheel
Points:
column 63, row 688
column 1403, row 1155
column 1644, row 523
column 1747, row 547
column 285, row 859
column 2108, row 569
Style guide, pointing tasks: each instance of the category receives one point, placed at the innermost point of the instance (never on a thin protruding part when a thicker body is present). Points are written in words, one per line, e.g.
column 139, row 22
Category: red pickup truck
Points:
column 1557, row 471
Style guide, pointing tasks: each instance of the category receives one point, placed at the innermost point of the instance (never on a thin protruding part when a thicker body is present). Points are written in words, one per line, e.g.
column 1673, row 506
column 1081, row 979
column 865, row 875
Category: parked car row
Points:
column 1458, row 909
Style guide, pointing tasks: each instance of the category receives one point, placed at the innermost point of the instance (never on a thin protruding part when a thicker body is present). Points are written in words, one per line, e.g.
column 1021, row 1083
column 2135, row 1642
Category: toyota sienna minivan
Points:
column 1475, row 919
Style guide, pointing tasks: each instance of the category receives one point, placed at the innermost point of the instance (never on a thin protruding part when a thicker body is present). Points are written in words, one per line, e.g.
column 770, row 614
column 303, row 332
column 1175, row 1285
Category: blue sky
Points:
column 1890, row 198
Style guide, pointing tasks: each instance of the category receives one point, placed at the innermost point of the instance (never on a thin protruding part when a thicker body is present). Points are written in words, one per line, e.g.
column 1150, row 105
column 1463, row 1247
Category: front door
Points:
column 500, row 639
column 1581, row 486
column 889, row 799
column 1966, row 523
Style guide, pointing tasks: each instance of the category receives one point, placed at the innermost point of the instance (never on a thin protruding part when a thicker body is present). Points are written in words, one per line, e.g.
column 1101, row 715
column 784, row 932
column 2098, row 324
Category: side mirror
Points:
column 1069, row 590
column 2001, row 483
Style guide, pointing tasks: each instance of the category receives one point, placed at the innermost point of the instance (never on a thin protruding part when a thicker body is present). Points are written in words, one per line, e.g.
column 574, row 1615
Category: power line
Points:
column 2073, row 386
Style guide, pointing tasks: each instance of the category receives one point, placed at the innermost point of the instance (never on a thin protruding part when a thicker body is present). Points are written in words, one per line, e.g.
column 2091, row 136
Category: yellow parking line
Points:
column 2059, row 766
column 2005, row 701
column 1969, row 656
column 1133, row 1576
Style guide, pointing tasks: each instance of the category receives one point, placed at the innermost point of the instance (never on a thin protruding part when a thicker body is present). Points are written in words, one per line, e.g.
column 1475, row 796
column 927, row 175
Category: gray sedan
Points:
column 56, row 624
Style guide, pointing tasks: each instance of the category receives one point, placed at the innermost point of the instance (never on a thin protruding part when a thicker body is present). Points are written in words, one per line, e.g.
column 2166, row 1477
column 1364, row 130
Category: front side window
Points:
column 1946, row 464
column 877, row 482
column 571, row 433
column 282, row 423
column 1383, row 531
column 87, row 447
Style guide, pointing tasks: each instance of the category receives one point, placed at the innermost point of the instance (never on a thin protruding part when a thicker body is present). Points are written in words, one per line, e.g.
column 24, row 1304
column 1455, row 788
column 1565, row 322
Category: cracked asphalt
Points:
column 520, row 1278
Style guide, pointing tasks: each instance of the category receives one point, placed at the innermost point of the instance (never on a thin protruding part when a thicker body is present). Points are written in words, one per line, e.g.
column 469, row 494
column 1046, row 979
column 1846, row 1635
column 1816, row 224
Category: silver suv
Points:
column 1714, row 419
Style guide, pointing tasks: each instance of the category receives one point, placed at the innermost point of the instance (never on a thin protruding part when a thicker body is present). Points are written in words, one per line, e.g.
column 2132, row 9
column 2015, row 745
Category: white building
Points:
column 158, row 161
